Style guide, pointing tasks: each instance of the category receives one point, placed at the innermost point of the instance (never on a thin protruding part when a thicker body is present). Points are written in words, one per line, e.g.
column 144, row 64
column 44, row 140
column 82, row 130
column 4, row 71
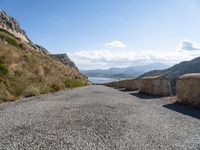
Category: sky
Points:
column 99, row 34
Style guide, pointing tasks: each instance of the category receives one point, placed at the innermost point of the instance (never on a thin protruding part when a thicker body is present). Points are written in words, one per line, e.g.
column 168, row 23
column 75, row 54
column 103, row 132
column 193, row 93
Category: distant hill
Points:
column 177, row 70
column 128, row 72
column 27, row 69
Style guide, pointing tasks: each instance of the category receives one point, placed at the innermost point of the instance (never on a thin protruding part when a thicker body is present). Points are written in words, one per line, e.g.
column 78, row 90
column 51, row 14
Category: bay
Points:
column 101, row 80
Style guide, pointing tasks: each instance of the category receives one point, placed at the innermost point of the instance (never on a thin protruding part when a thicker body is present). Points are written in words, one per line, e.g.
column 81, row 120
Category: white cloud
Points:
column 115, row 44
column 107, row 58
column 93, row 59
column 189, row 45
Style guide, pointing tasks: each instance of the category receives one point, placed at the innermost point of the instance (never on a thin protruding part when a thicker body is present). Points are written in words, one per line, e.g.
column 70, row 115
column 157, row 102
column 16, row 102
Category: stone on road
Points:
column 98, row 117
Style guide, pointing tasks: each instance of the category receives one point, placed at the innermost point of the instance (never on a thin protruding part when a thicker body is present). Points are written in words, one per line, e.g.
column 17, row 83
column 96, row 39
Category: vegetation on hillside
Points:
column 26, row 72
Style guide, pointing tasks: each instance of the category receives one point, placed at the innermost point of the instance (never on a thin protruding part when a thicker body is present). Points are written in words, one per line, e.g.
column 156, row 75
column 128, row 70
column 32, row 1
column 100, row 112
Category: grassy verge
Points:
column 24, row 72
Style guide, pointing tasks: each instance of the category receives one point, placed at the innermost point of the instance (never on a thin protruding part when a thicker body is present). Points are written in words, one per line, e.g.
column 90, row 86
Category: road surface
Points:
column 98, row 117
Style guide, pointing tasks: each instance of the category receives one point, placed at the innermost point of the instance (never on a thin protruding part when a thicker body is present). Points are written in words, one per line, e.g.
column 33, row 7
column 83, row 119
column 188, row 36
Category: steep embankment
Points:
column 27, row 69
column 176, row 71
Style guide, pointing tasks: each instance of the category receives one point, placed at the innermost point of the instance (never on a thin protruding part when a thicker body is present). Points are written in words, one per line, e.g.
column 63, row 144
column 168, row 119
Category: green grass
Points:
column 11, row 39
column 72, row 83
column 8, row 33
column 3, row 70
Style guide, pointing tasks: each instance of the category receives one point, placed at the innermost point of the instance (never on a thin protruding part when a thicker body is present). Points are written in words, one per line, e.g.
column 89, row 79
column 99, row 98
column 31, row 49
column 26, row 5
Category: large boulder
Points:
column 188, row 89
column 155, row 85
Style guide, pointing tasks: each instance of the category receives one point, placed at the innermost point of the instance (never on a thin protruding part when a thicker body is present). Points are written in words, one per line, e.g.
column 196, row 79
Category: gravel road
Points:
column 98, row 117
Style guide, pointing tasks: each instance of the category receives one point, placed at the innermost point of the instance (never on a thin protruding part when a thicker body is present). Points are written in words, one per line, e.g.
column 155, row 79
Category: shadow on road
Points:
column 142, row 96
column 138, row 95
column 183, row 109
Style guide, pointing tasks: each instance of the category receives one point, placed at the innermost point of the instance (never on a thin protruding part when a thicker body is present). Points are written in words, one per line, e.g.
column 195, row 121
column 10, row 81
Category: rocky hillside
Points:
column 27, row 69
column 176, row 71
column 65, row 60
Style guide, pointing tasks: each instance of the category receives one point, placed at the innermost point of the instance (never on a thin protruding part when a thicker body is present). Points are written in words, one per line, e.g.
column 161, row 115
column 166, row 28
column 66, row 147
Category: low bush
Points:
column 72, row 83
column 10, row 38
column 5, row 95
column 3, row 70
column 31, row 91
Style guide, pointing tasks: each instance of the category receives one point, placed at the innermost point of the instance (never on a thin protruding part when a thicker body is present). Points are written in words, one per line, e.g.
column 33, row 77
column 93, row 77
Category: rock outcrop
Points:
column 129, row 84
column 65, row 60
column 188, row 89
column 40, row 49
column 155, row 85
column 11, row 25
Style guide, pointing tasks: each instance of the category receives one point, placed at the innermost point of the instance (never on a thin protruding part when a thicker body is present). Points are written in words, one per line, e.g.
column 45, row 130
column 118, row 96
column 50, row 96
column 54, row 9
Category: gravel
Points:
column 98, row 117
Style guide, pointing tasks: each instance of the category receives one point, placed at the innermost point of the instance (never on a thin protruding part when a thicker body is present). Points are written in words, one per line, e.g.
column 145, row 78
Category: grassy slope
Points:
column 25, row 72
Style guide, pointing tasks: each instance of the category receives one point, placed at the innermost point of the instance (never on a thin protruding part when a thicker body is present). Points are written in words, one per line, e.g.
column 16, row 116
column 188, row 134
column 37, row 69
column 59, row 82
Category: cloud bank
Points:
column 115, row 44
column 93, row 59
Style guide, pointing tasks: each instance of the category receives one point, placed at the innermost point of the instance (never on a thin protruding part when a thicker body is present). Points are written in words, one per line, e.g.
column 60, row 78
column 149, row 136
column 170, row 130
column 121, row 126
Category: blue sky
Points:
column 112, row 33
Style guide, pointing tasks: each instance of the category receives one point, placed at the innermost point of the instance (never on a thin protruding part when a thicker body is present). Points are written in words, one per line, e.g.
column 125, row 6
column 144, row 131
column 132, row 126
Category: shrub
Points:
column 72, row 83
column 32, row 91
column 44, row 89
column 11, row 39
column 3, row 70
column 54, row 87
column 8, row 33
column 5, row 94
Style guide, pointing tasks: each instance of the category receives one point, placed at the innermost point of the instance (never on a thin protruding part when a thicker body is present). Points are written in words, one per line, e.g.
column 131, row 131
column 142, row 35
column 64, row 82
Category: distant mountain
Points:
column 128, row 72
column 177, row 70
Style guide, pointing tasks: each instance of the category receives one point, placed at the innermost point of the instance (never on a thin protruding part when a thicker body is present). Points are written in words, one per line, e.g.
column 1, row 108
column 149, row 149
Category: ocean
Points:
column 100, row 80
